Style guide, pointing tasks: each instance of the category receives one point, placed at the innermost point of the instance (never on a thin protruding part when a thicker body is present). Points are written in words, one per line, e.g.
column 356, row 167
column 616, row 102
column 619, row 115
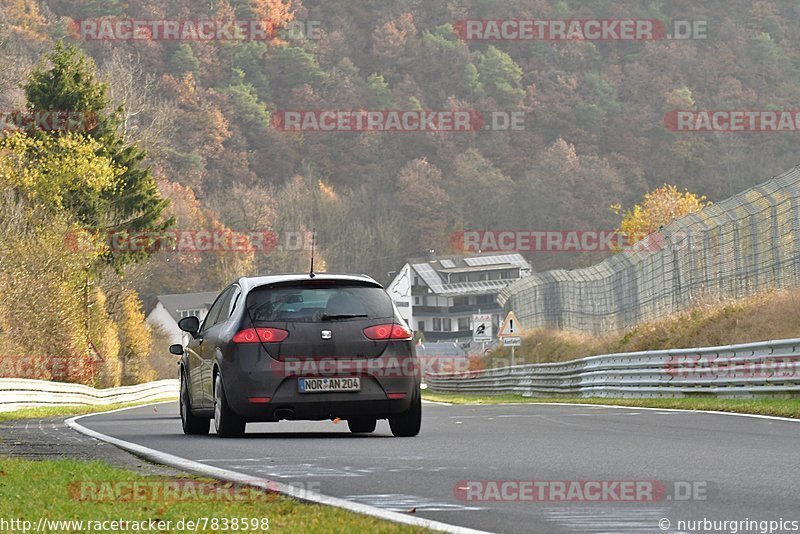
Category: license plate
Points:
column 323, row 385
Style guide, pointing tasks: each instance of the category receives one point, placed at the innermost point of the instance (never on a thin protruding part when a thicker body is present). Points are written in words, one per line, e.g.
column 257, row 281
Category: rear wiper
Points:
column 334, row 316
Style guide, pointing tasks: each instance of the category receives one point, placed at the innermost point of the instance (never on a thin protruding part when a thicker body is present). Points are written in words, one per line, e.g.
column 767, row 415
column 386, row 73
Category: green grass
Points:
column 776, row 407
column 52, row 488
column 66, row 411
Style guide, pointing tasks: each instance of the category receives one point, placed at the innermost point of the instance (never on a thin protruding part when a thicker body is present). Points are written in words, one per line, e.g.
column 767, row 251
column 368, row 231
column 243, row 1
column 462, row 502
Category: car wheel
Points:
column 227, row 423
column 362, row 425
column 408, row 423
column 192, row 425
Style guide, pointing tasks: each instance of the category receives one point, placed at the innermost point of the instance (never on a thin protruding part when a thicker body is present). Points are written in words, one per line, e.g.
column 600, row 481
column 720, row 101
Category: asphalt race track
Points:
column 736, row 468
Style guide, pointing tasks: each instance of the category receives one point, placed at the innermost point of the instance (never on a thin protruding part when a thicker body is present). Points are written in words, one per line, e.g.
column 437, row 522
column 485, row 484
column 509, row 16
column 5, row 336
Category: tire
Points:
column 192, row 425
column 227, row 423
column 408, row 423
column 362, row 425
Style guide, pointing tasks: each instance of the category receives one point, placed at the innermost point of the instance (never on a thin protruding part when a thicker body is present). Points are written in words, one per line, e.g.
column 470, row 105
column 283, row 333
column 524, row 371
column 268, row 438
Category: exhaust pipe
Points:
column 283, row 413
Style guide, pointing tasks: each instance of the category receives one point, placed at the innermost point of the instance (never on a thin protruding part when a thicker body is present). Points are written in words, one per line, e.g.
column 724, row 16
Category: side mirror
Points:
column 190, row 324
column 176, row 349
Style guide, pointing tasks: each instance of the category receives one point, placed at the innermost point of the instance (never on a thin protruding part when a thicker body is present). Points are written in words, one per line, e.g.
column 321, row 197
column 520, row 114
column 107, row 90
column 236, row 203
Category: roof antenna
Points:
column 313, row 238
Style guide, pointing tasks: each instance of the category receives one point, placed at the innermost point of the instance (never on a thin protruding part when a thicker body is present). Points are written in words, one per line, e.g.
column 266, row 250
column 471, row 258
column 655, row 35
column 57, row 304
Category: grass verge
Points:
column 775, row 407
column 67, row 411
column 761, row 317
column 57, row 490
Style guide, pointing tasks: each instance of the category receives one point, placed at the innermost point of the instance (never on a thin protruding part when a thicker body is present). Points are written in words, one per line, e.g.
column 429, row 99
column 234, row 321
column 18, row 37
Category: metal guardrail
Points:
column 747, row 370
column 23, row 393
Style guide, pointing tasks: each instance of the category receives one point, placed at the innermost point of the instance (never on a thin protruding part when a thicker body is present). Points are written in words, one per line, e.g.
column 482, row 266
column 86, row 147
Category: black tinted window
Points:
column 237, row 293
column 318, row 303
column 225, row 307
column 213, row 312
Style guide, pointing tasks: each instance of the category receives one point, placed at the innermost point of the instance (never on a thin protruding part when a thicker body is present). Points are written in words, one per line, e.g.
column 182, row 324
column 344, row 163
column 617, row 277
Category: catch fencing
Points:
column 735, row 371
column 745, row 244
column 19, row 393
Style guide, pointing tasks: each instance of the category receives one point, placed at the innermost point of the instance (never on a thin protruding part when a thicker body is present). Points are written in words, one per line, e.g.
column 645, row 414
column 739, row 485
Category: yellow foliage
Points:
column 680, row 98
column 104, row 336
column 42, row 283
column 23, row 18
column 327, row 191
column 658, row 209
column 136, row 341
column 277, row 14
column 47, row 169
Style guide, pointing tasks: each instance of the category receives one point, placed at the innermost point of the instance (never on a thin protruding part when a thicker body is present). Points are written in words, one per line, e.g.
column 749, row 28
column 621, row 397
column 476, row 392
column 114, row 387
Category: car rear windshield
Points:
column 318, row 303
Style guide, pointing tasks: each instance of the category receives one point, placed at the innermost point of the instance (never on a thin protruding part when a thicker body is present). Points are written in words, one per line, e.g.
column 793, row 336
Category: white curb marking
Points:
column 241, row 478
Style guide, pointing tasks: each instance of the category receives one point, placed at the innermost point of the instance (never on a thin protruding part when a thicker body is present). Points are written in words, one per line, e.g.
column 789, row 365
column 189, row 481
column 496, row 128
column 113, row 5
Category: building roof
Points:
column 478, row 268
column 187, row 301
column 429, row 268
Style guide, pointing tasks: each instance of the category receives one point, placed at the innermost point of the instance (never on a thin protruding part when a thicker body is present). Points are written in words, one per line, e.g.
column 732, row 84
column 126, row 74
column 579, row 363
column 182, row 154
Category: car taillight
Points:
column 387, row 331
column 264, row 335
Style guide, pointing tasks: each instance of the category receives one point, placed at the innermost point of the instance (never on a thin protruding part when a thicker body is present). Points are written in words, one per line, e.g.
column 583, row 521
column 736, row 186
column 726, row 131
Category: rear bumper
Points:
column 266, row 378
column 322, row 410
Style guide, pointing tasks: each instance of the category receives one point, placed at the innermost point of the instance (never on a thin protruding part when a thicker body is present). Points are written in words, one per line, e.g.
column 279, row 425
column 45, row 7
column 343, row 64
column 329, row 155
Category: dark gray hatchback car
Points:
column 300, row 348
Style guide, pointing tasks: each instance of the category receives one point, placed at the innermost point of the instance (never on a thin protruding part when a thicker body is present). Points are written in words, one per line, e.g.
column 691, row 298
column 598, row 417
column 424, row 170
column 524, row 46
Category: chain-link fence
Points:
column 744, row 244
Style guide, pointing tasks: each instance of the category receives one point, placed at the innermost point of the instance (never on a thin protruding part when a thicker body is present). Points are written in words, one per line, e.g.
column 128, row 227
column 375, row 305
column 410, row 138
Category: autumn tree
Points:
column 43, row 277
column 23, row 19
column 135, row 339
column 501, row 77
column 277, row 13
column 104, row 339
column 420, row 195
column 134, row 204
column 479, row 192
column 658, row 209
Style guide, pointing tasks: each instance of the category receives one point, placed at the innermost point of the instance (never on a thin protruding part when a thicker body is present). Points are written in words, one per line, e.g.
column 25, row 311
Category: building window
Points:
column 448, row 324
column 485, row 299
column 463, row 323
column 417, row 301
column 437, row 324
column 460, row 301
column 189, row 313
column 416, row 280
column 421, row 326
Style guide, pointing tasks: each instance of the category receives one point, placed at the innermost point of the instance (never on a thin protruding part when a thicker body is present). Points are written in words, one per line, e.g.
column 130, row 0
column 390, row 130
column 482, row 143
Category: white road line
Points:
column 675, row 410
column 593, row 519
column 438, row 403
column 400, row 502
column 618, row 407
column 241, row 478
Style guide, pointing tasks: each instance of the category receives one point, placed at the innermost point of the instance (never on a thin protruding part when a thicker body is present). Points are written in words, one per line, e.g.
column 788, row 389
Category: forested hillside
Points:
column 594, row 132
